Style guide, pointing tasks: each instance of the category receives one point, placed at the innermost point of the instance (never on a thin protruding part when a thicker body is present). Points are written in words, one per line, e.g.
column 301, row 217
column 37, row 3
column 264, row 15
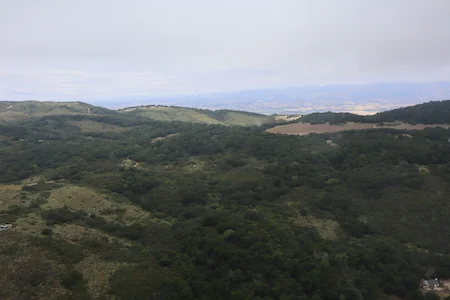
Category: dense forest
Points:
column 436, row 112
column 173, row 210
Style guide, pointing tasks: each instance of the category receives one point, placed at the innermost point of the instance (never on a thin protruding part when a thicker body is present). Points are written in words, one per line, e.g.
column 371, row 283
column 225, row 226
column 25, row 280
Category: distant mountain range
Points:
column 362, row 99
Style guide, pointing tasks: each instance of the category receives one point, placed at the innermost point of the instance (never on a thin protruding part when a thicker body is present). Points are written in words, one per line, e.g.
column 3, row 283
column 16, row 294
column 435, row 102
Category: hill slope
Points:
column 19, row 110
column 192, row 115
column 435, row 112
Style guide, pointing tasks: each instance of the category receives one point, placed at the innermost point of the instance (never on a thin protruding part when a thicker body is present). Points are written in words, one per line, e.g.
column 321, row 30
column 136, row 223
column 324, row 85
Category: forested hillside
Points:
column 124, row 207
column 436, row 112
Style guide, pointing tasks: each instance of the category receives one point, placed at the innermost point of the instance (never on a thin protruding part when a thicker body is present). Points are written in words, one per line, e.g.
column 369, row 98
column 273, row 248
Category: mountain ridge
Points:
column 19, row 110
column 432, row 112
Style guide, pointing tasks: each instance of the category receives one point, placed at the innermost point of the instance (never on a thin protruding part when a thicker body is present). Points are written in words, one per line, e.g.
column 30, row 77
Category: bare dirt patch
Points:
column 306, row 128
column 161, row 138
column 446, row 289
column 10, row 187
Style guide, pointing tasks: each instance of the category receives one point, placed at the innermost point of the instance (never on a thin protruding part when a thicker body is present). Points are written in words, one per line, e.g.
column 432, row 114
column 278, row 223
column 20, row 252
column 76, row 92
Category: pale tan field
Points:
column 287, row 118
column 306, row 128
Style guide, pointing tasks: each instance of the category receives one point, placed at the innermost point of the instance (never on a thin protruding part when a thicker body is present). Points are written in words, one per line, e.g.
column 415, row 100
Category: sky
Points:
column 77, row 50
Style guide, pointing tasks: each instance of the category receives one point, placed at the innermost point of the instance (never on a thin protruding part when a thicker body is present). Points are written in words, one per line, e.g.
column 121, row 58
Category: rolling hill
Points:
column 19, row 110
column 434, row 112
column 415, row 117
column 193, row 115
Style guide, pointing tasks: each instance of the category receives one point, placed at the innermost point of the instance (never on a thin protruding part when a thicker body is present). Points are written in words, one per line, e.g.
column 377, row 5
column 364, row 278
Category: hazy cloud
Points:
column 57, row 48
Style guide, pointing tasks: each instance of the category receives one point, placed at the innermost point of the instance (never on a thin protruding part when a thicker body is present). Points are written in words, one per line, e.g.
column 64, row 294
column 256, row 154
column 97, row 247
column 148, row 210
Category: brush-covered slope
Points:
column 192, row 115
column 19, row 110
column 435, row 112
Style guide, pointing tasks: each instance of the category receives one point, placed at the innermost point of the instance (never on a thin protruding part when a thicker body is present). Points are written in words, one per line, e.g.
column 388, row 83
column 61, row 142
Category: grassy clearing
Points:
column 31, row 224
column 93, row 126
column 12, row 197
column 287, row 118
column 7, row 116
column 194, row 165
column 328, row 229
column 73, row 233
column 163, row 113
column 89, row 201
column 299, row 200
column 129, row 163
column 241, row 119
column 97, row 272
column 9, row 198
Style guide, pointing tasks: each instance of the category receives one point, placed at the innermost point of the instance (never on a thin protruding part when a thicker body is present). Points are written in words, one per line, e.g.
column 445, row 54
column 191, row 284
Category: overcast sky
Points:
column 73, row 50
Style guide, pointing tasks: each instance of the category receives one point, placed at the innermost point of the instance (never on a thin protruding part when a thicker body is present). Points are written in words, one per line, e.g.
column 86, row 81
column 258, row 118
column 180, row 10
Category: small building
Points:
column 431, row 284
